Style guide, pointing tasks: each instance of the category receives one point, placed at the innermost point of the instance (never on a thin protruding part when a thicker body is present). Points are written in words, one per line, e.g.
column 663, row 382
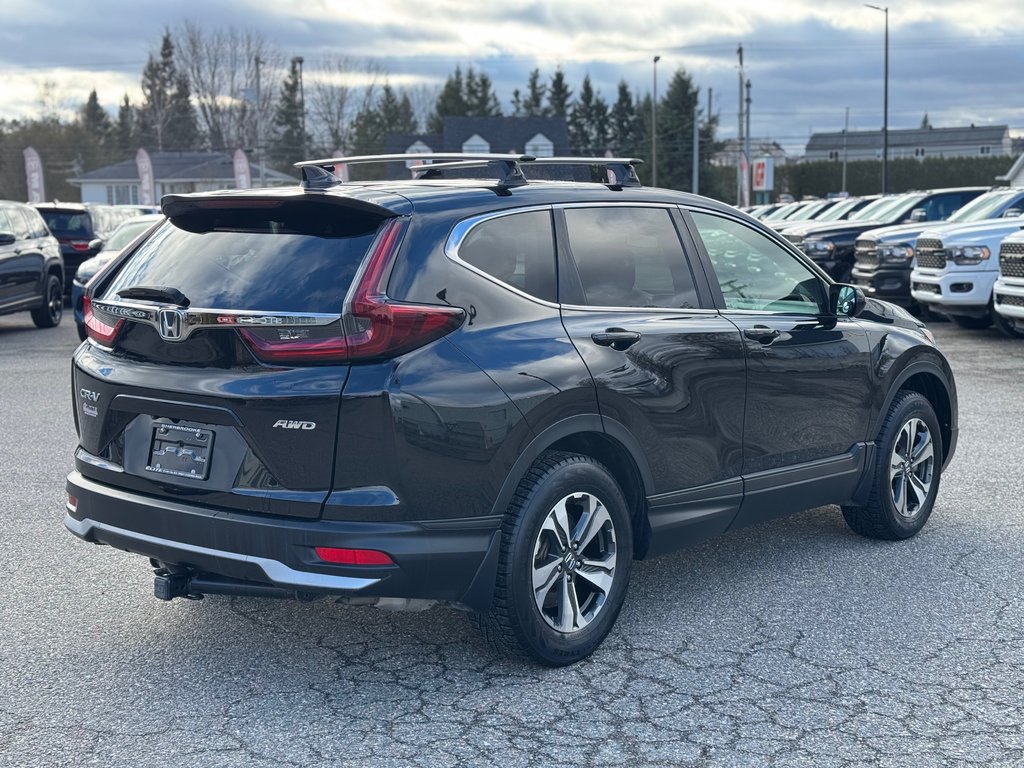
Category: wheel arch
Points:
column 929, row 380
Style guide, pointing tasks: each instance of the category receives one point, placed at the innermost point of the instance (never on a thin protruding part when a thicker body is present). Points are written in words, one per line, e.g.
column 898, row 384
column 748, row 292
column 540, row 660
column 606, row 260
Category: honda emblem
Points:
column 170, row 323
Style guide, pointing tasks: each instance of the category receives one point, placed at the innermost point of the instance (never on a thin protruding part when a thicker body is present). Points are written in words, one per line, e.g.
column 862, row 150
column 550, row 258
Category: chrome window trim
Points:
column 196, row 318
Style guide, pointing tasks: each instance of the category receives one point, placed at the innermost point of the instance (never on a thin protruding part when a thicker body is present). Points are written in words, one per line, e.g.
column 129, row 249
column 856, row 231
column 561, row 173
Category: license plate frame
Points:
column 180, row 451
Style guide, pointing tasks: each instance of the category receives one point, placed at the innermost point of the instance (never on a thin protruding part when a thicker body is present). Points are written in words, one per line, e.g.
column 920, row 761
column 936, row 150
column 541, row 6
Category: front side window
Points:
column 629, row 257
column 518, row 250
column 756, row 273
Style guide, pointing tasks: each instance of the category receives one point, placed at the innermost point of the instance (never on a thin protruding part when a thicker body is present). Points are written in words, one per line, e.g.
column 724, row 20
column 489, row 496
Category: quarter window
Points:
column 629, row 257
column 756, row 273
column 518, row 250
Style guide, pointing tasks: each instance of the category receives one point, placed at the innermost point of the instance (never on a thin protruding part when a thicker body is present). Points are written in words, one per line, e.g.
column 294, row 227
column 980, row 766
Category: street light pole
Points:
column 885, row 102
column 654, row 127
column 297, row 62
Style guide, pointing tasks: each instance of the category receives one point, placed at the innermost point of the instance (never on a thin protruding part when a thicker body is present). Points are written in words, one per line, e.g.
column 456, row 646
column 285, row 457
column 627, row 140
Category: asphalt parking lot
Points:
column 795, row 643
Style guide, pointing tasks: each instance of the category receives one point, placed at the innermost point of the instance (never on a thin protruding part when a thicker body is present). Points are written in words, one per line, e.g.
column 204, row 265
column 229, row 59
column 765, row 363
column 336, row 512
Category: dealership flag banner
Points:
column 147, row 185
column 34, row 176
column 243, row 179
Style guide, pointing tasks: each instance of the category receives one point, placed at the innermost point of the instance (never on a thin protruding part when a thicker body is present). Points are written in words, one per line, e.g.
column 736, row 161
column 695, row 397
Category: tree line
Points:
column 226, row 88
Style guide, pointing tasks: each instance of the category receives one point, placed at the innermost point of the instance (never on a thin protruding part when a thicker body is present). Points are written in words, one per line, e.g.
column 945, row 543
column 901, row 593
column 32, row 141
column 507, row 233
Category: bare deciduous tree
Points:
column 221, row 64
column 341, row 88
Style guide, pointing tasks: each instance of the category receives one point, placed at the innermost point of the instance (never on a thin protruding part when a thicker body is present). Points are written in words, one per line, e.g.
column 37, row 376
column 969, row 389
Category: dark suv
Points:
column 81, row 228
column 31, row 268
column 494, row 392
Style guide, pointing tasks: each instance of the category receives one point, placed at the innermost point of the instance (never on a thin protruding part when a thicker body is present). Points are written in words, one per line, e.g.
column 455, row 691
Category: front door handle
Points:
column 616, row 338
column 762, row 334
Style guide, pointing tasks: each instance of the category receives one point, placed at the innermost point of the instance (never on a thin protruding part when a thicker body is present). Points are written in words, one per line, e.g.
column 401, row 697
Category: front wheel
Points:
column 566, row 553
column 52, row 310
column 905, row 481
column 1007, row 327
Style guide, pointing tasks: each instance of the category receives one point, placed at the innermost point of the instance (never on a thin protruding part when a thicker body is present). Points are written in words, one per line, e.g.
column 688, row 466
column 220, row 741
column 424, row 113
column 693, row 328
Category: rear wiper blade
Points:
column 155, row 293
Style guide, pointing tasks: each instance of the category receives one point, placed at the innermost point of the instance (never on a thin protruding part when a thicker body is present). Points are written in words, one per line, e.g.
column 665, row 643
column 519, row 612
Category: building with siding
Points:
column 972, row 141
column 538, row 136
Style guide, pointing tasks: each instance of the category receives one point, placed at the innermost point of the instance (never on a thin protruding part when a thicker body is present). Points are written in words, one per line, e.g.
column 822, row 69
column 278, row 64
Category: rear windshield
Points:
column 290, row 258
column 68, row 223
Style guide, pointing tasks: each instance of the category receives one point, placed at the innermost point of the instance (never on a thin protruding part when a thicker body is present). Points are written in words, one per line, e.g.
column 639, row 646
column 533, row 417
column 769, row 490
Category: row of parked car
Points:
column 956, row 252
column 44, row 245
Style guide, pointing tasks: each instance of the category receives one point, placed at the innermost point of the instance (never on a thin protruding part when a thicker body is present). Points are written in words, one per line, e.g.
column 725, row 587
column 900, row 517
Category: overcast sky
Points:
column 958, row 60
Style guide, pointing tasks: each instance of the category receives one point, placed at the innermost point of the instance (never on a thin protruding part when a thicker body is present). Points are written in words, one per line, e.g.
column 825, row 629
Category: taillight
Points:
column 373, row 326
column 353, row 556
column 80, row 245
column 376, row 326
column 96, row 328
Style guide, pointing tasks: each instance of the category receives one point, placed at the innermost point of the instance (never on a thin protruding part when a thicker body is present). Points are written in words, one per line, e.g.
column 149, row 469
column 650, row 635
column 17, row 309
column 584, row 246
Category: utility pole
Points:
column 885, row 101
column 695, row 180
column 259, row 126
column 749, row 178
column 654, row 127
column 297, row 61
column 739, row 136
column 846, row 134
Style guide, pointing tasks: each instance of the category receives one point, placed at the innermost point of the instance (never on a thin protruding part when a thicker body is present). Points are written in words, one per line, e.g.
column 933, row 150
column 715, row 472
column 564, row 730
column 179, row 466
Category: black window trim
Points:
column 709, row 268
column 462, row 229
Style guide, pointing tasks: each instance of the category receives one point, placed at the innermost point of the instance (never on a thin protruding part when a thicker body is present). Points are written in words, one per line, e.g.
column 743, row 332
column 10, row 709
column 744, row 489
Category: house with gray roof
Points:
column 173, row 172
column 971, row 141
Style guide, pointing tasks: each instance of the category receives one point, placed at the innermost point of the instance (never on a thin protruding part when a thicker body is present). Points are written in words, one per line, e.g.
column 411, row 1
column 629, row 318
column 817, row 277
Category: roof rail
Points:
column 619, row 171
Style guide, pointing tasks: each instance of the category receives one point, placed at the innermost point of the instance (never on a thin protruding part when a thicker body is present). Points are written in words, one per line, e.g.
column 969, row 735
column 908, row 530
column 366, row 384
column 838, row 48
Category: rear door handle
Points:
column 616, row 338
column 762, row 334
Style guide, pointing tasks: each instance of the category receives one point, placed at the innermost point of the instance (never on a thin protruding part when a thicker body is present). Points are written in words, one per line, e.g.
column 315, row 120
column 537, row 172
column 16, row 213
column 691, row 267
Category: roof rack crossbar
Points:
column 619, row 171
column 420, row 156
column 509, row 172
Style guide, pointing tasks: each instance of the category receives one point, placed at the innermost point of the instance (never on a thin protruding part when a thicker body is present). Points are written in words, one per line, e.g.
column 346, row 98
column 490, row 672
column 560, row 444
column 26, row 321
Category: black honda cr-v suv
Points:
column 496, row 392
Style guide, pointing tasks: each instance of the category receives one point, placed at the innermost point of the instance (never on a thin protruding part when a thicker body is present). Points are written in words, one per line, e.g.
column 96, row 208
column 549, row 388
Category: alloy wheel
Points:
column 911, row 467
column 574, row 562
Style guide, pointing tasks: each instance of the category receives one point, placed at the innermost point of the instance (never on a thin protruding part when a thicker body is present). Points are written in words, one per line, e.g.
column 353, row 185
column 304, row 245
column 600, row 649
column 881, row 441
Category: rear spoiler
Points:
column 382, row 204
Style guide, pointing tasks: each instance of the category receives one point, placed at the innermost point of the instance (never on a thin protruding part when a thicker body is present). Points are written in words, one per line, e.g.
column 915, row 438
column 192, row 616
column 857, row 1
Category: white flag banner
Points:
column 243, row 175
column 34, row 176
column 147, row 184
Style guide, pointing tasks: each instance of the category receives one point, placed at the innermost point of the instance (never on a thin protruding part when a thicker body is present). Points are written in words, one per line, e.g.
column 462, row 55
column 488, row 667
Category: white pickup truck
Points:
column 1009, row 289
column 956, row 269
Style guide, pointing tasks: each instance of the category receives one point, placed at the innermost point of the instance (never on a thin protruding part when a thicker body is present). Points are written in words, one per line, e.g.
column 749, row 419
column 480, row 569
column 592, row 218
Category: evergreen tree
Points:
column 126, row 130
column 469, row 96
column 451, row 102
column 675, row 134
column 588, row 122
column 622, row 124
column 533, row 102
column 558, row 95
column 288, row 144
column 167, row 119
column 517, row 104
column 95, row 121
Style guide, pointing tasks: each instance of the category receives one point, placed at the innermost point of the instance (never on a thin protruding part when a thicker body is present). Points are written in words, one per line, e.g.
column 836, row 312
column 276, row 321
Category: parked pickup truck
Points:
column 884, row 257
column 1009, row 288
column 957, row 269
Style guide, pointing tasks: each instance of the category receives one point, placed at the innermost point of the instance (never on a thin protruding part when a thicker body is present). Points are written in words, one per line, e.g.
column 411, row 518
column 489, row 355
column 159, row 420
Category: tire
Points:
column 972, row 323
column 1007, row 327
column 581, row 588
column 905, row 477
column 52, row 310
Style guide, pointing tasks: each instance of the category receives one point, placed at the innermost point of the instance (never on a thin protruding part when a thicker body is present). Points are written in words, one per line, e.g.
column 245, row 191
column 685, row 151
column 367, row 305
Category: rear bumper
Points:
column 453, row 560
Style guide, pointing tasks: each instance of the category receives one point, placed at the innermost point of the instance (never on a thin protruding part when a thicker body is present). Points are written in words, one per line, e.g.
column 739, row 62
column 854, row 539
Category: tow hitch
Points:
column 192, row 585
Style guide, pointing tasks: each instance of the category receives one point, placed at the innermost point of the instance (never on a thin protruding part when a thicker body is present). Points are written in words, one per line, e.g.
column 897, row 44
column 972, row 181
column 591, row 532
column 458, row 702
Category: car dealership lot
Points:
column 793, row 643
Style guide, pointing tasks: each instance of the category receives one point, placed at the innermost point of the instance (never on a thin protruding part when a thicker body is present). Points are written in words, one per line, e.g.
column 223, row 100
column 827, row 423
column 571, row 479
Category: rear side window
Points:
column 5, row 220
column 630, row 257
column 518, row 250
column 289, row 258
column 21, row 224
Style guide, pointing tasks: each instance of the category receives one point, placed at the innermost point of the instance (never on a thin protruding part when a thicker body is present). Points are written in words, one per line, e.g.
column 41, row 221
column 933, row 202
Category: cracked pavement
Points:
column 796, row 643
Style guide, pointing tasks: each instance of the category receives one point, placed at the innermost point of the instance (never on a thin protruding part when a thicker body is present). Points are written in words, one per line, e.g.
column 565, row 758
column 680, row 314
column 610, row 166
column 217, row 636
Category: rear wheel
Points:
column 52, row 310
column 566, row 553
column 908, row 464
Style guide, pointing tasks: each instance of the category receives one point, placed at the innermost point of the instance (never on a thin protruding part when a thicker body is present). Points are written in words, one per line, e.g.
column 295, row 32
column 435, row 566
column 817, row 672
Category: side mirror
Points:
column 919, row 214
column 1012, row 213
column 96, row 245
column 7, row 238
column 846, row 300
